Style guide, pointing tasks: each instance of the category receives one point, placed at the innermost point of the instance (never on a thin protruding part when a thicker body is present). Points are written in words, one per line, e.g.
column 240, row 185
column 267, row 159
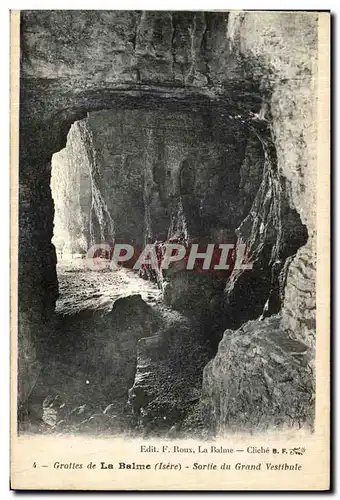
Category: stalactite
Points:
column 101, row 222
column 178, row 225
column 148, row 181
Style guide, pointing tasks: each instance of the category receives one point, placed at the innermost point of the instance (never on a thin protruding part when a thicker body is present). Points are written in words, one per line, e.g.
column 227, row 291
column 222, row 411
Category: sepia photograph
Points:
column 168, row 225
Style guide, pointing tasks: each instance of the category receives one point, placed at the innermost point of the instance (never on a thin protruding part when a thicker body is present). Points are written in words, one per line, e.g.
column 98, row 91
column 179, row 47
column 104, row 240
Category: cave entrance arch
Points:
column 181, row 186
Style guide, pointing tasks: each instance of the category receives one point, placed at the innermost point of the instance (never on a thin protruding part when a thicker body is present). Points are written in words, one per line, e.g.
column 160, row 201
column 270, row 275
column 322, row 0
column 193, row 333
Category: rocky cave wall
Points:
column 292, row 77
column 257, row 67
column 132, row 170
column 291, row 74
column 145, row 158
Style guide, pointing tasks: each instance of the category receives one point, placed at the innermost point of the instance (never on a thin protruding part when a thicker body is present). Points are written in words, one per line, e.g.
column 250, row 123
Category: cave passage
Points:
column 80, row 288
column 141, row 176
column 122, row 341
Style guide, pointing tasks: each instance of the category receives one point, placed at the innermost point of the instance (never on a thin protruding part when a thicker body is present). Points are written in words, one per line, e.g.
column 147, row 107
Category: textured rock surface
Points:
column 140, row 156
column 271, row 387
column 88, row 360
column 288, row 71
column 168, row 375
column 286, row 61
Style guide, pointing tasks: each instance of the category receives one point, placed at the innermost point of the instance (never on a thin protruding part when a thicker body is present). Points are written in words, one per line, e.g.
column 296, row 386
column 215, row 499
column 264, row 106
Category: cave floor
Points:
column 89, row 357
column 81, row 288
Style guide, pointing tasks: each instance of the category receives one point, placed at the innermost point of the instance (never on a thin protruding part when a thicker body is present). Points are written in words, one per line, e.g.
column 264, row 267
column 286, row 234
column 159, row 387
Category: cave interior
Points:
column 138, row 163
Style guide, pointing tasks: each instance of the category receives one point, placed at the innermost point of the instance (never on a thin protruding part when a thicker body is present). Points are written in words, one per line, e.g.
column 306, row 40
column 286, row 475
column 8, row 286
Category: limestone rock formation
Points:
column 88, row 362
column 287, row 67
column 260, row 379
column 291, row 82
column 168, row 375
column 204, row 125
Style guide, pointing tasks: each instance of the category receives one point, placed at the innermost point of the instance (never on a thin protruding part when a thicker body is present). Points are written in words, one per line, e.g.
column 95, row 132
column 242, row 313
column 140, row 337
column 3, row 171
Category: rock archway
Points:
column 217, row 70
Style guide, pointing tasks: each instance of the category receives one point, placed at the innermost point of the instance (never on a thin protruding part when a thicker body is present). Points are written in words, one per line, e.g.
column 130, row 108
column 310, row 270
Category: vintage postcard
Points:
column 170, row 250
